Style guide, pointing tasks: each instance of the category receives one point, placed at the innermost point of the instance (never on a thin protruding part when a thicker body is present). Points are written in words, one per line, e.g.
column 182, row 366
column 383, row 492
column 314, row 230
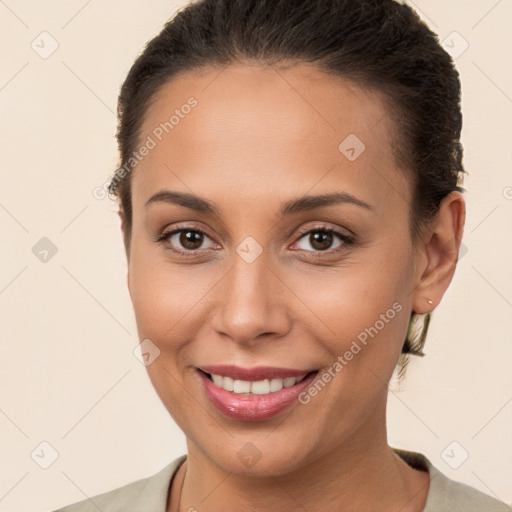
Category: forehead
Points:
column 288, row 101
column 252, row 124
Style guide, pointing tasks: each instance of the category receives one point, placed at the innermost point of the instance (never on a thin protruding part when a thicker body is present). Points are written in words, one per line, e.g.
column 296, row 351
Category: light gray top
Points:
column 150, row 494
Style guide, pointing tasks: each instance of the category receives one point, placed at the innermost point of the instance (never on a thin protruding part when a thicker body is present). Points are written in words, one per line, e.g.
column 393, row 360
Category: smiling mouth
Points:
column 260, row 387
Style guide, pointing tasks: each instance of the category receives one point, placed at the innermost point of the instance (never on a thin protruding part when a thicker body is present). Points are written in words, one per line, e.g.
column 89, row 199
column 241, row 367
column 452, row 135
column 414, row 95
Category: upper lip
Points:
column 254, row 374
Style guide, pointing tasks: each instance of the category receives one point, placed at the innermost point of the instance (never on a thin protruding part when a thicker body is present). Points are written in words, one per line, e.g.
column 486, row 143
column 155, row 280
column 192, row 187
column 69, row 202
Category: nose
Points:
column 251, row 303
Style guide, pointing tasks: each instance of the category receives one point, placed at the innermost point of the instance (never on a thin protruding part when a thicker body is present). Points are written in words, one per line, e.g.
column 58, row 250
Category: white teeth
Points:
column 261, row 387
column 289, row 381
column 241, row 386
column 227, row 383
column 218, row 380
column 276, row 384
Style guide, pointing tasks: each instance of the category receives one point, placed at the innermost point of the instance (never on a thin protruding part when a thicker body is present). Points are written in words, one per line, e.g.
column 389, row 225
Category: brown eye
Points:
column 190, row 240
column 323, row 239
column 320, row 240
column 185, row 240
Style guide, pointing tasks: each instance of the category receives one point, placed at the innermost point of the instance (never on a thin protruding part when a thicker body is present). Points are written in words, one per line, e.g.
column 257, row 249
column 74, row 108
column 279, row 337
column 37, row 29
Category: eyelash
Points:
column 346, row 239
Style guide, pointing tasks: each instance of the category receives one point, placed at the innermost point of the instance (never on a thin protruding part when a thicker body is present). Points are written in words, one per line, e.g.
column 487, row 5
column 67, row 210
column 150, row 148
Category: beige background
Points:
column 68, row 374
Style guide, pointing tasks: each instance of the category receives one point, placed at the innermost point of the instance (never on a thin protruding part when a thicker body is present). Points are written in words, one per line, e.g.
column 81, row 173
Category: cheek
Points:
column 366, row 332
column 154, row 303
column 171, row 303
column 161, row 295
column 361, row 314
column 357, row 302
column 163, row 303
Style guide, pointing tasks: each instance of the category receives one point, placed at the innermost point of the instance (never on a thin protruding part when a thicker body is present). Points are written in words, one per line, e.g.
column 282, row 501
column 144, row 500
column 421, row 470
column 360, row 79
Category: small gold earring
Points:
column 429, row 301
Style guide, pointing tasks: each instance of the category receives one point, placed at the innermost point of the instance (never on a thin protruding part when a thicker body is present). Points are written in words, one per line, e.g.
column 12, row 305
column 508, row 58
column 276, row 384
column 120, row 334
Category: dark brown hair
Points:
column 379, row 44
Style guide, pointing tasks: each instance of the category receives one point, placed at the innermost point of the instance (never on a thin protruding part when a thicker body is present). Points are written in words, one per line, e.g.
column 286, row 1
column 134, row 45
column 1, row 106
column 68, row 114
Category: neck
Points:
column 362, row 473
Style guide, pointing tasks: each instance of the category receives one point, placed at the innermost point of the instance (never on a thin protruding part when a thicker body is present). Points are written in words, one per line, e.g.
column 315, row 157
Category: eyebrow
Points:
column 305, row 203
column 183, row 199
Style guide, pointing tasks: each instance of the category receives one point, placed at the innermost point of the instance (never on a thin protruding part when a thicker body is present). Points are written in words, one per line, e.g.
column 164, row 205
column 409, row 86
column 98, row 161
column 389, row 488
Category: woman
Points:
column 290, row 201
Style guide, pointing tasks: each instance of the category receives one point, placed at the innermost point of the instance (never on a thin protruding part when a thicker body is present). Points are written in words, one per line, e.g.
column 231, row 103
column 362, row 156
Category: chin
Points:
column 259, row 458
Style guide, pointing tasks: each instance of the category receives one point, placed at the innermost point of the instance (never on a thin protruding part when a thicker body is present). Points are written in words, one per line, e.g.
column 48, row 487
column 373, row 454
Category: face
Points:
column 254, row 276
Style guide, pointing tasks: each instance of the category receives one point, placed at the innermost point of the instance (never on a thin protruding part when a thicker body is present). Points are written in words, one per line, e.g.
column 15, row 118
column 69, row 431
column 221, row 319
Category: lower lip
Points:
column 249, row 407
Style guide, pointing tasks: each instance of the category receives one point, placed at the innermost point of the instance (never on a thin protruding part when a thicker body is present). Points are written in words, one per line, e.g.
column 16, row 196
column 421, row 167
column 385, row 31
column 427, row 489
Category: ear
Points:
column 439, row 250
